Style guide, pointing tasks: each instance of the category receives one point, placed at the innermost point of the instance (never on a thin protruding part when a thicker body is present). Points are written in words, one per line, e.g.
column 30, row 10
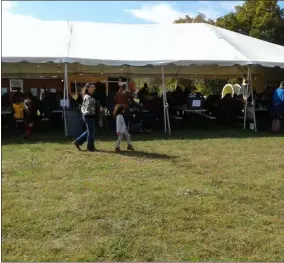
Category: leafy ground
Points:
column 206, row 195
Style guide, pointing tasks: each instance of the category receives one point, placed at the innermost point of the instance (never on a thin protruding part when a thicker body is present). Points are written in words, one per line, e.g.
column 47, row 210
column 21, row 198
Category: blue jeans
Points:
column 88, row 135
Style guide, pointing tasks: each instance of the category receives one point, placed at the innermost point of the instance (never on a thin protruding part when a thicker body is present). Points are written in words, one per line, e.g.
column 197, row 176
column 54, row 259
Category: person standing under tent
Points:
column 277, row 108
column 122, row 97
column 88, row 110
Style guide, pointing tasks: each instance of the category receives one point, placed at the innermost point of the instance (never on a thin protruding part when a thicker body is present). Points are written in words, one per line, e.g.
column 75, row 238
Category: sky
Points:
column 126, row 12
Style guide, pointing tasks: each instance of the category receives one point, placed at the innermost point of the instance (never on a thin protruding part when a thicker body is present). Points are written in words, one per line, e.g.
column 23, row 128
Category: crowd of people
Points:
column 148, row 111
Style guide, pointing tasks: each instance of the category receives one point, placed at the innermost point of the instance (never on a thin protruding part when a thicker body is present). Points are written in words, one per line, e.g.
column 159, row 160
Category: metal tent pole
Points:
column 252, row 101
column 168, row 116
column 65, row 97
column 166, row 109
column 76, row 89
column 164, row 103
column 246, row 103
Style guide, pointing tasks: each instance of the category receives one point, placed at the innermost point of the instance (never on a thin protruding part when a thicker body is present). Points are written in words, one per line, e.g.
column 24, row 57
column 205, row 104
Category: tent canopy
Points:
column 33, row 40
column 95, row 48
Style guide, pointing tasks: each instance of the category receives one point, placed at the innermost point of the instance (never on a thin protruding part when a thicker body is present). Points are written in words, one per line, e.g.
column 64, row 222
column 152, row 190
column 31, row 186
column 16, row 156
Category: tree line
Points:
column 262, row 19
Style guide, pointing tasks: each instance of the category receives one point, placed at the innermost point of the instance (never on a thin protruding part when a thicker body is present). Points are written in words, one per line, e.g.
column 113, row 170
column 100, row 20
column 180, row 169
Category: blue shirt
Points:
column 278, row 97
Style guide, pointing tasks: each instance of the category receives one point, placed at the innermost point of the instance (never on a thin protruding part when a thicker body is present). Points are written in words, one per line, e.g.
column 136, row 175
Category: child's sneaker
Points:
column 117, row 150
column 130, row 148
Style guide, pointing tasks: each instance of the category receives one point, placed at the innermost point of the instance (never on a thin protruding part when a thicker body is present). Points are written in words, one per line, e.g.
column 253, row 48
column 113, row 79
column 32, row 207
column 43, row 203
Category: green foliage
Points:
column 155, row 84
column 210, row 86
column 200, row 18
column 261, row 19
column 235, row 81
column 203, row 89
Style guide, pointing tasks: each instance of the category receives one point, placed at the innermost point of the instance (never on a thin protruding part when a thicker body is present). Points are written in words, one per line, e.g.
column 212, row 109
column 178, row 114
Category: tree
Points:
column 261, row 19
column 200, row 18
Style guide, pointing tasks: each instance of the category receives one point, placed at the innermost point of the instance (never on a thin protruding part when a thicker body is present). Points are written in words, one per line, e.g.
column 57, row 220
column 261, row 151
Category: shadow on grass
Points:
column 57, row 136
column 141, row 154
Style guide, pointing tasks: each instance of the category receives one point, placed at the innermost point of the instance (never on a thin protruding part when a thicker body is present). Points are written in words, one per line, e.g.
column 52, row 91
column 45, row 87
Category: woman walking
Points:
column 88, row 110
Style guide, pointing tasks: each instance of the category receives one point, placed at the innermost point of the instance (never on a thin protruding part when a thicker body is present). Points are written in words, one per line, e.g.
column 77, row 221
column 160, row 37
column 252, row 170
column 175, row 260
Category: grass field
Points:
column 206, row 195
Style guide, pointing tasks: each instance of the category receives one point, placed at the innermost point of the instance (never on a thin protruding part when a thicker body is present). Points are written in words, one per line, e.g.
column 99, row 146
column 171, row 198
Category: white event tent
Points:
column 35, row 47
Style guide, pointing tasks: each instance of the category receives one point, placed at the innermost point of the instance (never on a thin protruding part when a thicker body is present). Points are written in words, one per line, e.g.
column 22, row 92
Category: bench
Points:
column 210, row 117
column 176, row 117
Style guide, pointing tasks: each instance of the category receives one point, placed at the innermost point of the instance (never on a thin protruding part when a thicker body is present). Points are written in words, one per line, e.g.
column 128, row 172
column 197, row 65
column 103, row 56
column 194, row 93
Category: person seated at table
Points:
column 179, row 97
column 241, row 97
column 186, row 92
column 28, row 118
column 266, row 97
column 277, row 109
column 35, row 102
column 17, row 111
column 237, row 106
column 256, row 98
column 5, row 101
column 155, row 108
column 18, row 107
column 226, row 110
column 100, row 94
column 170, row 98
column 7, row 120
column 134, row 106
column 143, row 93
column 18, row 96
column 43, row 93
column 72, row 102
column 47, row 105
column 79, row 100
column 211, row 103
column 110, row 101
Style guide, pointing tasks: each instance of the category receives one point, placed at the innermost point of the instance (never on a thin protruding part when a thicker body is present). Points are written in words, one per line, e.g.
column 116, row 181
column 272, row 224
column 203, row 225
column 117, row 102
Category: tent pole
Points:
column 168, row 116
column 252, row 102
column 166, row 109
column 246, row 103
column 76, row 91
column 164, row 101
column 65, row 98
column 66, row 81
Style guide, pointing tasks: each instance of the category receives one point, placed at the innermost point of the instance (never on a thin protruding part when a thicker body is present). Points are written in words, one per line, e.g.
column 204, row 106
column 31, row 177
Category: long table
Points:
column 185, row 109
column 6, row 112
column 200, row 112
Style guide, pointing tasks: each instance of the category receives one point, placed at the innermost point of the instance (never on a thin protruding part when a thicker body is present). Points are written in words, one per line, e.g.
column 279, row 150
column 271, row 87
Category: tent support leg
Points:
column 252, row 101
column 246, row 102
column 166, row 107
column 65, row 96
column 76, row 89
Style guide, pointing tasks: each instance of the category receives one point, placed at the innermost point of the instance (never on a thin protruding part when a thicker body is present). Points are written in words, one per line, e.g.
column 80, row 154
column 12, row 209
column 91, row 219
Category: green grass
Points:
column 197, row 196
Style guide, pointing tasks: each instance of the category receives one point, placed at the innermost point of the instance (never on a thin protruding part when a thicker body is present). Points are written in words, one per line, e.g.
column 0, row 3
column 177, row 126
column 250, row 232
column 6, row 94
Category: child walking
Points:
column 121, row 129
